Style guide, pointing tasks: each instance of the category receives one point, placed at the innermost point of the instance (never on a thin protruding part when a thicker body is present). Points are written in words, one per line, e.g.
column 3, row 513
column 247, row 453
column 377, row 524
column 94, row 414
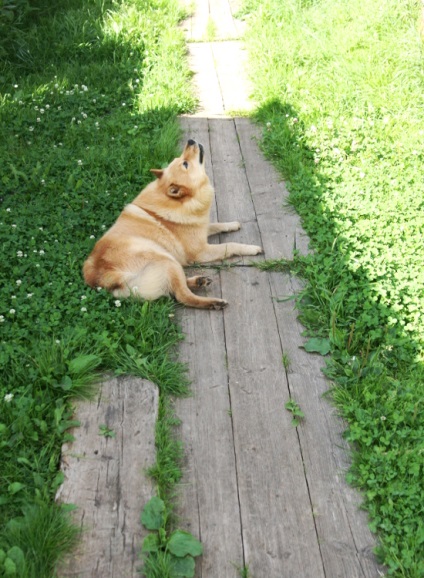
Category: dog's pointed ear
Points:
column 176, row 192
column 157, row 172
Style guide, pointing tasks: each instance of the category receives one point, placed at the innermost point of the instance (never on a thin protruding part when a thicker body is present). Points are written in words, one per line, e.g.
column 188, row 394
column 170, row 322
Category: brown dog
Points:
column 165, row 228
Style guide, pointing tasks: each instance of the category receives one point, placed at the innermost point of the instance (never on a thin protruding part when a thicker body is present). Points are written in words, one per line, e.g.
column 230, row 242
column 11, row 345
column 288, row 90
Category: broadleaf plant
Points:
column 179, row 548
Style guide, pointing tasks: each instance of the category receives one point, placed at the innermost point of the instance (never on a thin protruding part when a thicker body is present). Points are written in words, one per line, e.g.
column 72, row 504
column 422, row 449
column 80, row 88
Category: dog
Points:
column 165, row 228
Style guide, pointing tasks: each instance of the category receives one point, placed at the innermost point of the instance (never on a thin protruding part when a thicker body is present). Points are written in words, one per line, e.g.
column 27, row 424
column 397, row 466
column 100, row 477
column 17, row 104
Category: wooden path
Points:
column 257, row 491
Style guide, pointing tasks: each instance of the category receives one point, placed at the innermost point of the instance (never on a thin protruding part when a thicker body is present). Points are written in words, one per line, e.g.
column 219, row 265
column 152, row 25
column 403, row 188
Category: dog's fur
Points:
column 165, row 228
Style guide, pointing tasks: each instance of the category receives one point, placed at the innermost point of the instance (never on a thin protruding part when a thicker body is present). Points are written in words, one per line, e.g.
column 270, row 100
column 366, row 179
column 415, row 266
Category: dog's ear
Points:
column 176, row 192
column 157, row 172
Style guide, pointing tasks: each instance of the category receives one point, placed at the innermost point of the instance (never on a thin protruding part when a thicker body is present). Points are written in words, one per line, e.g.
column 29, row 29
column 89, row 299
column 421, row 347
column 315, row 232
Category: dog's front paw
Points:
column 255, row 250
column 234, row 226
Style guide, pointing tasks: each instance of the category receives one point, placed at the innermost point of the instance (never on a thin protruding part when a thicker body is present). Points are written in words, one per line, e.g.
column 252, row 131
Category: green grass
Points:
column 89, row 94
column 340, row 86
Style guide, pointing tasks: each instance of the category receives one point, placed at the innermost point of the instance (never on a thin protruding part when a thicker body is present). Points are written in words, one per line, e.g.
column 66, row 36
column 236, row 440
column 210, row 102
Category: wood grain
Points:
column 105, row 477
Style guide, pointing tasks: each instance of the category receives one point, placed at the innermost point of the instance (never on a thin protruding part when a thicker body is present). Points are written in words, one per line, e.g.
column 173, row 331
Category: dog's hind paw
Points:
column 198, row 281
column 203, row 281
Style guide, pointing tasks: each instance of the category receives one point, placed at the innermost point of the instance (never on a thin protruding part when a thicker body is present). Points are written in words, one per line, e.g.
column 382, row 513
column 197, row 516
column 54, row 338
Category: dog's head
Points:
column 186, row 175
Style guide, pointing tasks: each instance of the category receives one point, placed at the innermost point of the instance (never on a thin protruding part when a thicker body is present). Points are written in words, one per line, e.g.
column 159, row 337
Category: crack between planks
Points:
column 285, row 370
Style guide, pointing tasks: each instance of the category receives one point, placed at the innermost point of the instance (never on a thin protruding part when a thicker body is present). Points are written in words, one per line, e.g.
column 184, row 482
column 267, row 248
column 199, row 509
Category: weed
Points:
column 173, row 552
column 294, row 408
column 106, row 432
column 286, row 361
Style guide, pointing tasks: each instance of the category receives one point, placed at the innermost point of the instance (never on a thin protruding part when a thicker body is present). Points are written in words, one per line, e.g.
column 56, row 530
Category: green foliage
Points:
column 340, row 88
column 170, row 553
column 85, row 112
column 294, row 408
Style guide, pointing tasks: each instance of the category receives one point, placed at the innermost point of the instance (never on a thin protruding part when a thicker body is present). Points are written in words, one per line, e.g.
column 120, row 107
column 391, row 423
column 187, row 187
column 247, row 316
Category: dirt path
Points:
column 257, row 491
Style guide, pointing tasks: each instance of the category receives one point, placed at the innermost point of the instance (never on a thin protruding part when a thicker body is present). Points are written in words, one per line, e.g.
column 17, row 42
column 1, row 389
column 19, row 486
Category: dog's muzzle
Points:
column 191, row 143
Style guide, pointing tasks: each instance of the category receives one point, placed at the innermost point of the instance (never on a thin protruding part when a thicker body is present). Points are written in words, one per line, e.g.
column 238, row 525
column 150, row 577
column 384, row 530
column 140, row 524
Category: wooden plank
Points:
column 201, row 62
column 231, row 66
column 195, row 25
column 346, row 542
column 208, row 495
column 279, row 226
column 221, row 15
column 278, row 527
column 105, row 478
column 231, row 186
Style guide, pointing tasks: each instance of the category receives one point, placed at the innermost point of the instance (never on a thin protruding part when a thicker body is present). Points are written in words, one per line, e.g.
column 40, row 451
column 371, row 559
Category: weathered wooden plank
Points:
column 208, row 497
column 279, row 226
column 222, row 17
column 201, row 62
column 105, row 478
column 195, row 25
column 231, row 64
column 231, row 186
column 278, row 527
column 345, row 541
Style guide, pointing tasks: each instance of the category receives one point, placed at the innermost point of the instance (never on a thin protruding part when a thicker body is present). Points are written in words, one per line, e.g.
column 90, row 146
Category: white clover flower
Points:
column 57, row 341
column 12, row 311
column 8, row 209
column 18, row 282
column 1, row 318
column 8, row 397
column 13, row 226
column 19, row 253
column 29, row 295
column 42, row 110
column 92, row 237
column 83, row 309
column 83, row 297
column 38, row 119
column 117, row 303
column 80, row 162
column 41, row 252
column 13, row 296
column 31, row 128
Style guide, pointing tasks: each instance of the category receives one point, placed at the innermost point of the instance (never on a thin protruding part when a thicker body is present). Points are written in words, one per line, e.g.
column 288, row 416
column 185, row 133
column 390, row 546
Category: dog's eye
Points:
column 185, row 164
